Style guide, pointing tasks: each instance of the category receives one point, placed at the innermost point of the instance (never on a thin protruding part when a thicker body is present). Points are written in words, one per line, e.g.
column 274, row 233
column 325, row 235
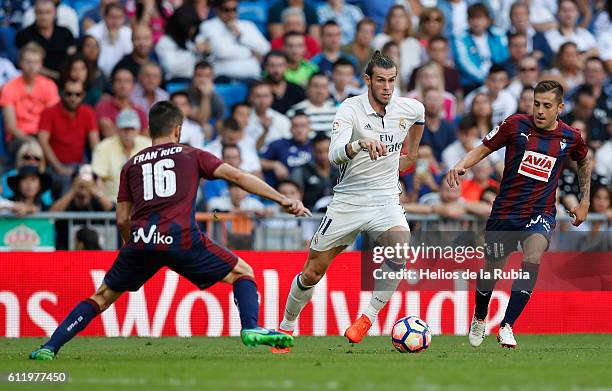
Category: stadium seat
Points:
column 255, row 11
column 173, row 86
column 82, row 6
column 231, row 93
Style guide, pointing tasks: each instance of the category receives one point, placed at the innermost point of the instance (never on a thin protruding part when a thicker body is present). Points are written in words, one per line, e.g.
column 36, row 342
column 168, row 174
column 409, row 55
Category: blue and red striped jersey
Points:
column 533, row 163
column 161, row 182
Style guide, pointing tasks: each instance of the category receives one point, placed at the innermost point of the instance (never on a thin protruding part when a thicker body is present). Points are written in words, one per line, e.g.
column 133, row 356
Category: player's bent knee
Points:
column 241, row 270
column 311, row 276
column 105, row 297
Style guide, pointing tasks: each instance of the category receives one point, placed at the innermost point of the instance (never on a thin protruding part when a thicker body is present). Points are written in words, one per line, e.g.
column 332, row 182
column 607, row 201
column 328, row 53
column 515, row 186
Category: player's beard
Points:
column 379, row 99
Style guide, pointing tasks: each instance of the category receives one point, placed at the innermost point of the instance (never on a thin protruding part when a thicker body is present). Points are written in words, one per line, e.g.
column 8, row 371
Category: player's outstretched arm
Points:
column 468, row 161
column 254, row 185
column 411, row 144
column 580, row 211
column 124, row 211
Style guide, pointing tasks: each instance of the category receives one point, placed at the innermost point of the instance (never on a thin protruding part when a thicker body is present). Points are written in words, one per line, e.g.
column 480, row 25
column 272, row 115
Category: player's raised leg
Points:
column 76, row 321
column 534, row 247
column 383, row 287
column 302, row 287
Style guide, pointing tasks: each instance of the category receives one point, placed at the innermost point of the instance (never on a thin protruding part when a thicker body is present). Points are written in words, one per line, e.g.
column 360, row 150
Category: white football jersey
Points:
column 363, row 181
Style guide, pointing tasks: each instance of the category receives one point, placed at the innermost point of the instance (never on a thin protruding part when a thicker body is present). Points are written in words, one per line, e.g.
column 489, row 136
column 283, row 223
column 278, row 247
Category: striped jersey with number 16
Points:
column 162, row 182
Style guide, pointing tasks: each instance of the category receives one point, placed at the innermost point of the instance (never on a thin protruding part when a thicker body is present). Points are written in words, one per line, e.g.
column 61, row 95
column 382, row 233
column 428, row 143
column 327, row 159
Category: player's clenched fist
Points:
column 295, row 207
column 453, row 176
column 374, row 147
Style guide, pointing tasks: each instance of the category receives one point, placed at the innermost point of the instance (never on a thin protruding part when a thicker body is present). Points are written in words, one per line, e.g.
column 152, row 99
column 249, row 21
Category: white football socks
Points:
column 383, row 289
column 299, row 296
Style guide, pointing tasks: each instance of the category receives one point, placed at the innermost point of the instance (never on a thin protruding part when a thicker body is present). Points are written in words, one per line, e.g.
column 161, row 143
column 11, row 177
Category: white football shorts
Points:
column 343, row 222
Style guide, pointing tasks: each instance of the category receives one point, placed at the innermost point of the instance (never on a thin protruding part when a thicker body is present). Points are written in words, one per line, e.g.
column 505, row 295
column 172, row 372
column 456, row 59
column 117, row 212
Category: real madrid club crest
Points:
column 563, row 144
column 402, row 123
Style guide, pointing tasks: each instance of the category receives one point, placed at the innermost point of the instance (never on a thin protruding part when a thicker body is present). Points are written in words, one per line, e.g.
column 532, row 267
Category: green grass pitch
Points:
column 551, row 362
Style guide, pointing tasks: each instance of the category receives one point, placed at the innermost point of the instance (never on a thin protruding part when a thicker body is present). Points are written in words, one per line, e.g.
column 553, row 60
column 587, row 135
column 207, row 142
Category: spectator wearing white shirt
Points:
column 603, row 159
column 176, row 50
column 237, row 201
column 148, row 90
column 569, row 31
column 191, row 132
column 233, row 134
column 265, row 124
column 66, row 17
column 503, row 102
column 528, row 74
column 318, row 106
column 398, row 29
column 467, row 139
column 114, row 38
column 237, row 45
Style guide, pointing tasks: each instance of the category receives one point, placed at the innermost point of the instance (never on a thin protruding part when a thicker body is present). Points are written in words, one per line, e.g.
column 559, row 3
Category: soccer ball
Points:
column 411, row 335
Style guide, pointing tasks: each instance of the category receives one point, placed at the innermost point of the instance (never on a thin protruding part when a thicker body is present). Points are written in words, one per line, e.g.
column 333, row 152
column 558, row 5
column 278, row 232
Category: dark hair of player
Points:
column 164, row 117
column 550, row 86
column 379, row 60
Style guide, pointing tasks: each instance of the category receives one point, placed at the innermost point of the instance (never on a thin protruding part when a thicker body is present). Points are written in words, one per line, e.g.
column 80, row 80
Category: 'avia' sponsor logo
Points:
column 153, row 236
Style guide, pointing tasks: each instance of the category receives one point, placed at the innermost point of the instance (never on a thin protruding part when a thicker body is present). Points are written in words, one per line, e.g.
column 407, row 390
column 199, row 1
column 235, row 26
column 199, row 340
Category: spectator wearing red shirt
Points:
column 472, row 189
column 65, row 129
column 294, row 20
column 108, row 108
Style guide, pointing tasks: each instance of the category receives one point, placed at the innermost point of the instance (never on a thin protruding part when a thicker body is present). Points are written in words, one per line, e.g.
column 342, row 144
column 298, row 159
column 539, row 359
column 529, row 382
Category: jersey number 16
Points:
column 160, row 178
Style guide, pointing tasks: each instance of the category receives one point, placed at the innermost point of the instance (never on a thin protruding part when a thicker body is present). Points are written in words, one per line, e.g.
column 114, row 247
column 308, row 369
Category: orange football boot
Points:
column 358, row 329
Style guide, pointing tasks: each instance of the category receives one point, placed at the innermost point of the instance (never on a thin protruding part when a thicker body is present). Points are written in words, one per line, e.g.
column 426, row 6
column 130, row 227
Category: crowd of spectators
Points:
column 76, row 85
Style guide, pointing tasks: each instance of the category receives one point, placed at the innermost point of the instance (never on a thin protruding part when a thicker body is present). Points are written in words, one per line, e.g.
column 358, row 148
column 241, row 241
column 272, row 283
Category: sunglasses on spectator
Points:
column 77, row 94
column 533, row 69
column 433, row 19
column 31, row 157
column 228, row 10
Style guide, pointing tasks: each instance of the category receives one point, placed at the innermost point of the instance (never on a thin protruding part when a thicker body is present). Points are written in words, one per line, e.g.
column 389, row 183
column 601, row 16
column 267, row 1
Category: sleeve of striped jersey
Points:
column 124, row 188
column 342, row 130
column 499, row 136
column 207, row 164
column 580, row 149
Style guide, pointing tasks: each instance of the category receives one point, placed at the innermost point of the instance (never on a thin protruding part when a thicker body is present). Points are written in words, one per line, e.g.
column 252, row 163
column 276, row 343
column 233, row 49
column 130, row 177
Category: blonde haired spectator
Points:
column 431, row 75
